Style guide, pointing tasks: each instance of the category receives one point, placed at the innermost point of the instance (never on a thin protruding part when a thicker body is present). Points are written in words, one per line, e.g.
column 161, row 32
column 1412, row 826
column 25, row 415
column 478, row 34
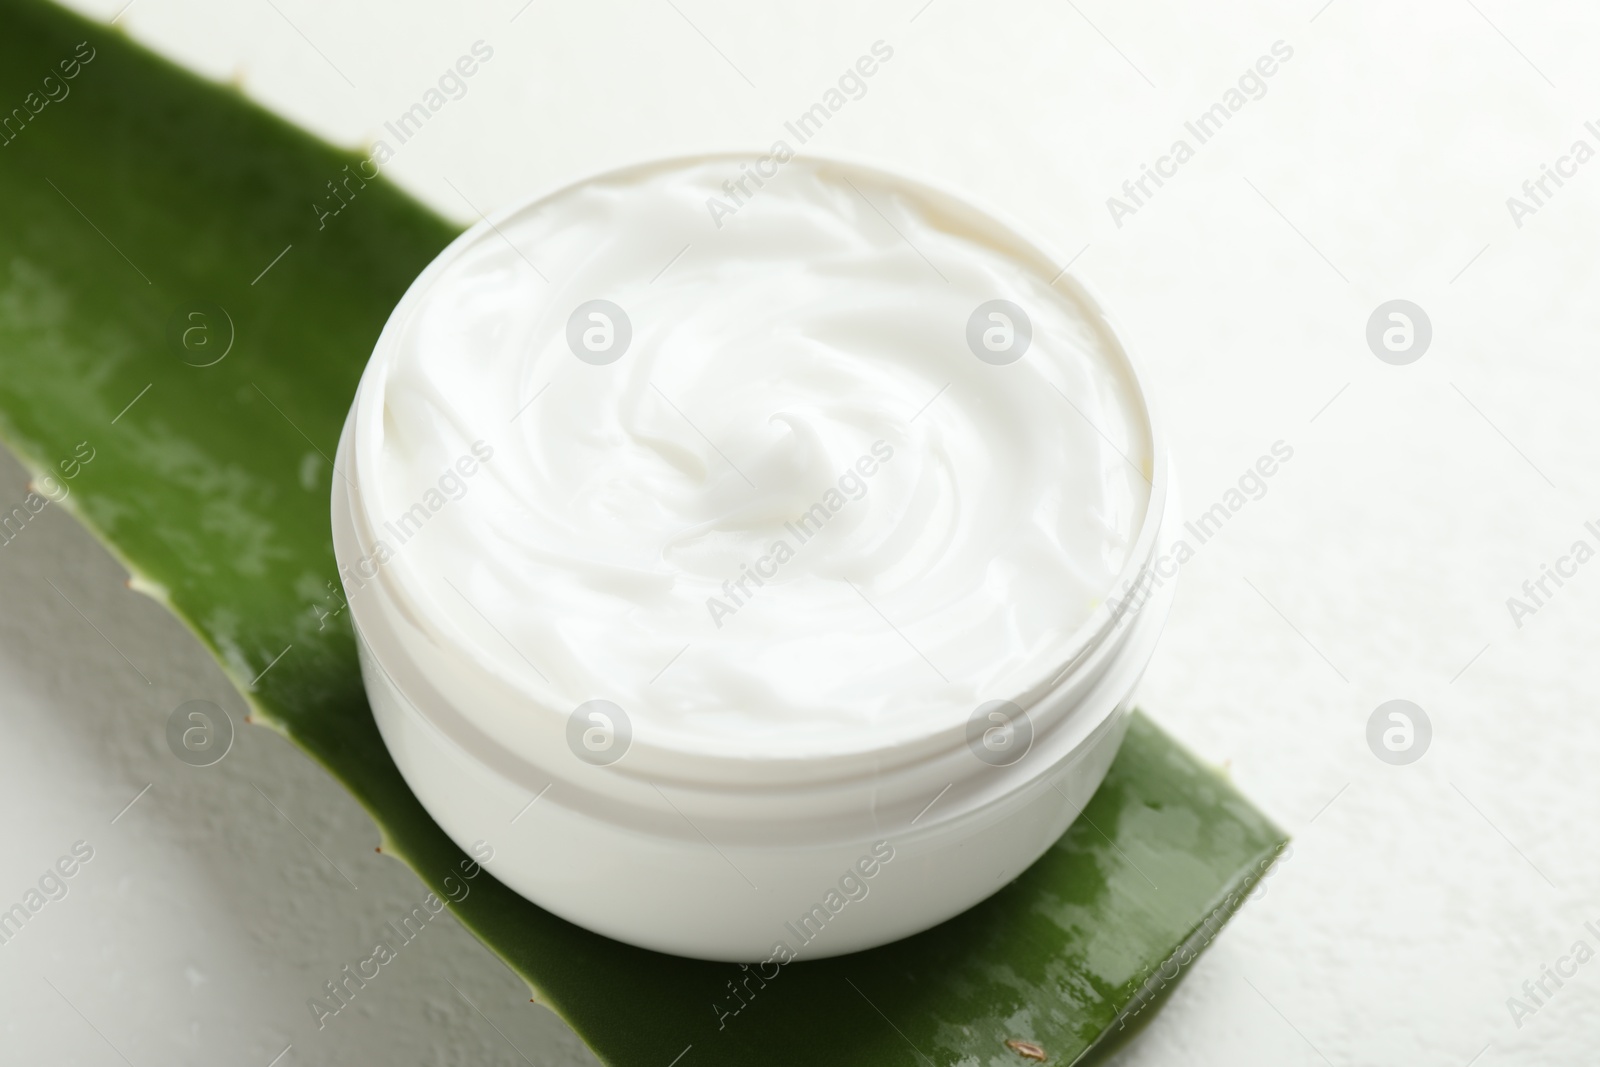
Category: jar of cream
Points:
column 752, row 557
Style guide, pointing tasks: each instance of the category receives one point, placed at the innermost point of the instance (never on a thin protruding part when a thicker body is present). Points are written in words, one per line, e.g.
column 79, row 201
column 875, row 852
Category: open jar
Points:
column 753, row 554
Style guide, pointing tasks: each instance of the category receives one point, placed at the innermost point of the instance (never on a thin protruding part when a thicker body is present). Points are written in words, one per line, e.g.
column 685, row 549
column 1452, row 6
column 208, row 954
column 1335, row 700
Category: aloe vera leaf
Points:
column 146, row 191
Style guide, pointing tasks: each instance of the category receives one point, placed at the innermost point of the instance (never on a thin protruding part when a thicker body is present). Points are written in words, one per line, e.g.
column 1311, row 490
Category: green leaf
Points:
column 145, row 192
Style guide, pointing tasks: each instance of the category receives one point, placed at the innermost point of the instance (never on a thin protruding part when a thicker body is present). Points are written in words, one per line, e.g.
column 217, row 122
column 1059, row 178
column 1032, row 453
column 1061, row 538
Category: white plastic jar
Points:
column 752, row 556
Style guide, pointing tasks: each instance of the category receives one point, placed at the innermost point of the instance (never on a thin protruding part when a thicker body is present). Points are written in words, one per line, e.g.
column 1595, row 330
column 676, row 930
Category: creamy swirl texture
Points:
column 771, row 487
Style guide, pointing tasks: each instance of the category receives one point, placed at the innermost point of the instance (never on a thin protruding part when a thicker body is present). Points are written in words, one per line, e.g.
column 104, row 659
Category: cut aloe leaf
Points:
column 153, row 223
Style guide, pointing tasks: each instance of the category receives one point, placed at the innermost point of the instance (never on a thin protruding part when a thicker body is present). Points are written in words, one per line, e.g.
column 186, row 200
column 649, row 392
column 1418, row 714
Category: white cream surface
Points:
column 635, row 534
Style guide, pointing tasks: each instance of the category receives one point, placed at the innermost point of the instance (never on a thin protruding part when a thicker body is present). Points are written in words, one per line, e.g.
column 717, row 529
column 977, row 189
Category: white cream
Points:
column 813, row 350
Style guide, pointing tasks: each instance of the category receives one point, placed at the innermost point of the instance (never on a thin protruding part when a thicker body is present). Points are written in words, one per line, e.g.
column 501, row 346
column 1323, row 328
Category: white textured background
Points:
column 1376, row 167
